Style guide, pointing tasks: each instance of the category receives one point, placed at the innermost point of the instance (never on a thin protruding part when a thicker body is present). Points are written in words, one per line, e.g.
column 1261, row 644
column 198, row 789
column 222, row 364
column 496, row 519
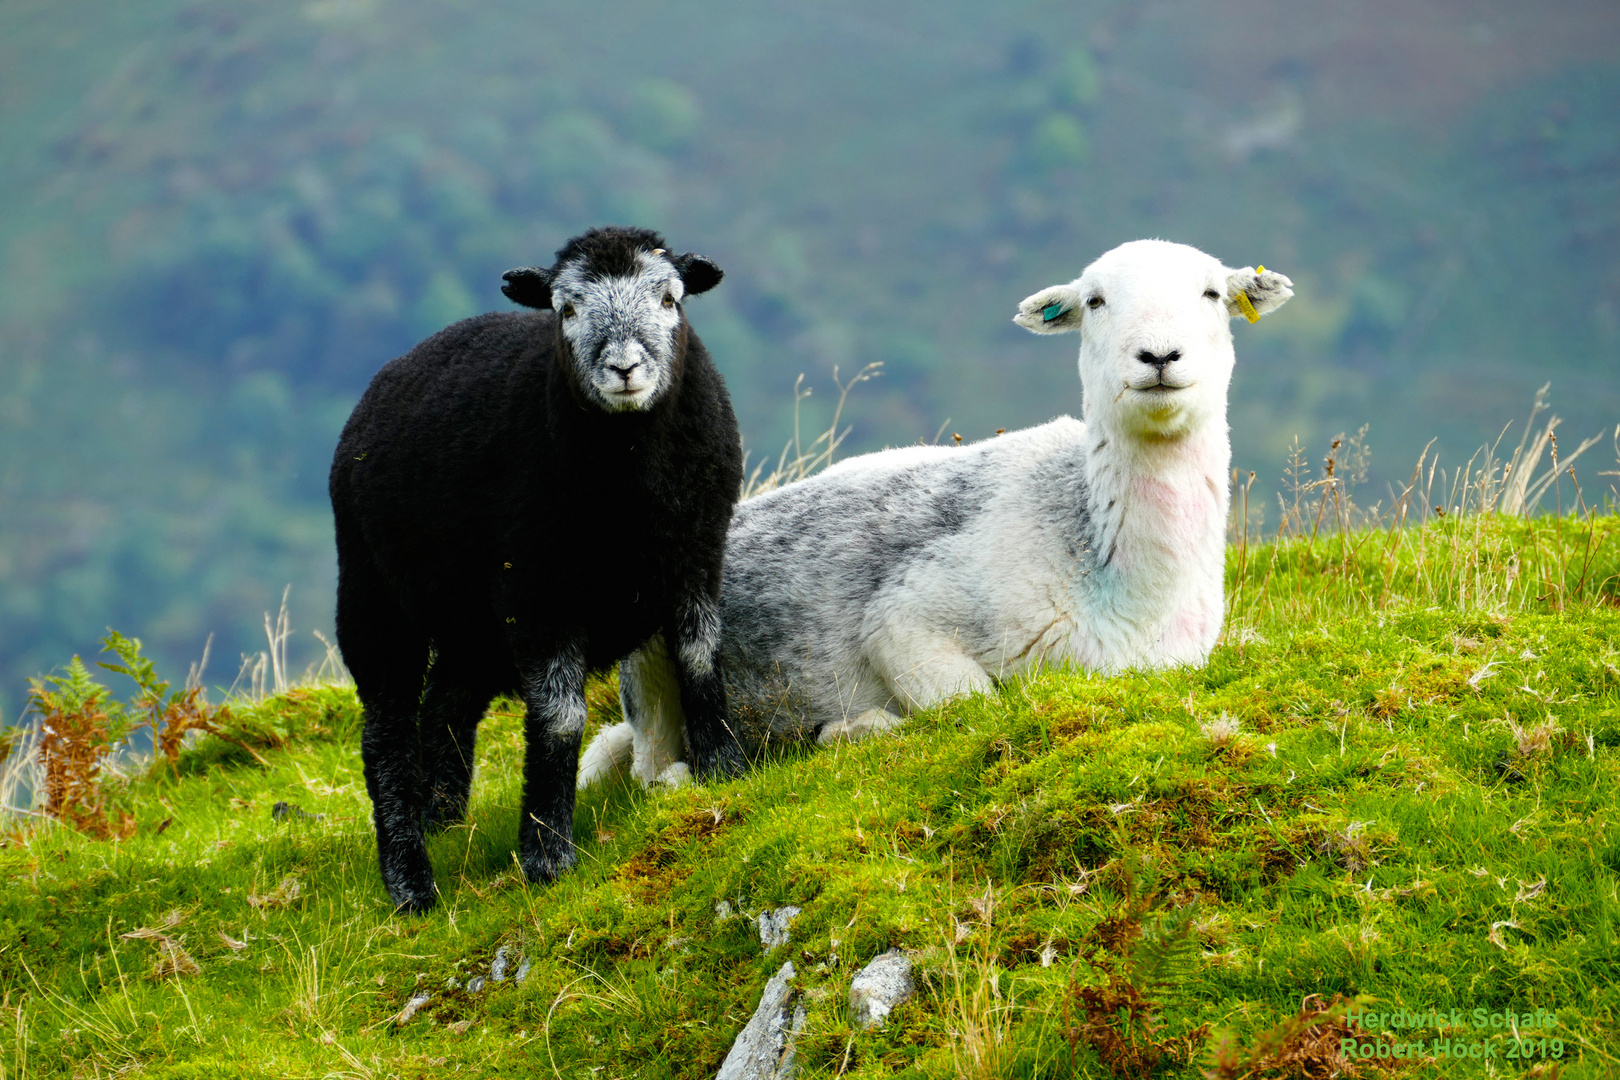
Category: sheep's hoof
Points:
column 412, row 897
column 413, row 903
column 721, row 763
column 674, row 776
column 544, row 866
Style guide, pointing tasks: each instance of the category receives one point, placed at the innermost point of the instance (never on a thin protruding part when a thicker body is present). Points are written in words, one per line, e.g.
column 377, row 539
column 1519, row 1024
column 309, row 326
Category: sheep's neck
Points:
column 1158, row 546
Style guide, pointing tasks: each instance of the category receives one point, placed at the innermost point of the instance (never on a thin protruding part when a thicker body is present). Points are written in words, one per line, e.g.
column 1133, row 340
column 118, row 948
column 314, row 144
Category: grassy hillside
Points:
column 1394, row 782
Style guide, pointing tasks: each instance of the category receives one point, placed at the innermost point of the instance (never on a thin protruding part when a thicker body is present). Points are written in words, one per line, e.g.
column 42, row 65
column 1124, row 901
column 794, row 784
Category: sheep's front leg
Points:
column 650, row 694
column 715, row 748
column 925, row 667
column 857, row 727
column 554, row 694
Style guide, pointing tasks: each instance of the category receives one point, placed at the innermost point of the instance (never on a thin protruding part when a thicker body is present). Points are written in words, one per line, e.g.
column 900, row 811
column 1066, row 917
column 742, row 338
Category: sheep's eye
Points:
column 1094, row 303
column 1211, row 294
column 568, row 311
column 669, row 300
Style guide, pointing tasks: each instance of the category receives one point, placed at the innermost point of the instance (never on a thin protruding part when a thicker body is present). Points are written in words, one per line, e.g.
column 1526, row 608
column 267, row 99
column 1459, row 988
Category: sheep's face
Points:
column 1155, row 338
column 619, row 313
column 622, row 329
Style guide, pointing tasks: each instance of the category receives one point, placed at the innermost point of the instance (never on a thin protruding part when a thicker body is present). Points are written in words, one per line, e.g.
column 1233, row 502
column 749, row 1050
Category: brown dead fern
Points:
column 80, row 725
column 1306, row 1046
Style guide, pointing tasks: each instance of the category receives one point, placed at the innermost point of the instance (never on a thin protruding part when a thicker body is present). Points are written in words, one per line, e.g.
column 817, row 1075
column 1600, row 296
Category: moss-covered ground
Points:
column 1395, row 779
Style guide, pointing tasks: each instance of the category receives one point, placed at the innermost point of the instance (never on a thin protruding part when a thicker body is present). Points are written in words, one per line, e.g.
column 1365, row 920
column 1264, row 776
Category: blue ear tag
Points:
column 1050, row 312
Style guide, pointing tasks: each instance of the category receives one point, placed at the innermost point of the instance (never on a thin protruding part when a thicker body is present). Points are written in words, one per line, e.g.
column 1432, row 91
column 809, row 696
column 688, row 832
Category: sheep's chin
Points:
column 1160, row 414
column 626, row 401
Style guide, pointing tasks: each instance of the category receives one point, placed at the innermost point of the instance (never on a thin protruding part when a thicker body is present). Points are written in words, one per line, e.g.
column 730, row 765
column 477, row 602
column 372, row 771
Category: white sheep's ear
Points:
column 1256, row 291
column 1054, row 310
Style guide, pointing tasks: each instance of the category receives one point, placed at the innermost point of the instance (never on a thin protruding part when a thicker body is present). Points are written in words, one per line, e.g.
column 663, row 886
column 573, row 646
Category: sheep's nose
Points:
column 623, row 371
column 1159, row 360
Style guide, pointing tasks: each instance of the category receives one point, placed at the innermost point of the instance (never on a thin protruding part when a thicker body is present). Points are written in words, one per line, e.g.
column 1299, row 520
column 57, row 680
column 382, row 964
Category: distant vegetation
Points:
column 221, row 218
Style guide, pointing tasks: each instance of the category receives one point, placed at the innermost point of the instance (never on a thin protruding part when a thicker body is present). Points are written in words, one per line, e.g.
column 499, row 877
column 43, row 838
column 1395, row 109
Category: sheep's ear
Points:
column 697, row 273
column 1053, row 310
column 529, row 286
column 1256, row 291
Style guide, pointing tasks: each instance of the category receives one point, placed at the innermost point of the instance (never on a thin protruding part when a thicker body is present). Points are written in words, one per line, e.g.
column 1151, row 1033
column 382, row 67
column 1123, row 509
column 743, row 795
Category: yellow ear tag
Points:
column 1246, row 307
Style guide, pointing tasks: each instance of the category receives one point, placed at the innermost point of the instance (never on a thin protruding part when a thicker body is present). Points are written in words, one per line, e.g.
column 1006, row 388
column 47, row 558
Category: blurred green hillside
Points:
column 218, row 219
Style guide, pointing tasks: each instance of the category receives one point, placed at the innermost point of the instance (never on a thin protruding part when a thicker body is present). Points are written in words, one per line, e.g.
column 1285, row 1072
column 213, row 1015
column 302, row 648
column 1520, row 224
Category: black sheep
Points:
column 521, row 499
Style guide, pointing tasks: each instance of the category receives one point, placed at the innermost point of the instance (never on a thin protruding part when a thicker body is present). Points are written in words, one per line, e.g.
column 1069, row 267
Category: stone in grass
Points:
column 880, row 986
column 281, row 811
column 475, row 984
column 773, row 926
column 497, row 966
column 764, row 1049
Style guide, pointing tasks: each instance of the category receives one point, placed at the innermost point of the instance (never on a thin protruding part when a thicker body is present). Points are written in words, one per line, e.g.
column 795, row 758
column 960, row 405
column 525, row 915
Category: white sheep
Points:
column 901, row 579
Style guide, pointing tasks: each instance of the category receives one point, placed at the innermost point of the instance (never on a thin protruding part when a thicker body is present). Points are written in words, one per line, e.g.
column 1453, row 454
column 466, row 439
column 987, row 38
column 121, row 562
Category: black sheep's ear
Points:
column 529, row 286
column 697, row 273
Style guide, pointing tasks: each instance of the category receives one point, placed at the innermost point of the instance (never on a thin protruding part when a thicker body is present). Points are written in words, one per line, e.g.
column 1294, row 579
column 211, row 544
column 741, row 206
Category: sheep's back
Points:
column 421, row 472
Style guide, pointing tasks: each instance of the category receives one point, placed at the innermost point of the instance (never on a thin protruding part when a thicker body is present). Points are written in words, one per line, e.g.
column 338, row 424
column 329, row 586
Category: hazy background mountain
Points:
column 218, row 219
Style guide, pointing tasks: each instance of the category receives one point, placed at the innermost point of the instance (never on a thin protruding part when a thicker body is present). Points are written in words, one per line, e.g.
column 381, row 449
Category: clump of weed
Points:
column 82, row 728
column 979, row 1015
column 978, row 1007
column 797, row 460
column 1350, row 847
column 1144, row 953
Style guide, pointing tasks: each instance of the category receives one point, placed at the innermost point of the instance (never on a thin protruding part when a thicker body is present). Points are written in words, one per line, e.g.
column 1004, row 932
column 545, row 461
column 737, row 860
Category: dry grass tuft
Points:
column 978, row 1014
column 1533, row 742
column 283, row 895
column 172, row 958
column 1221, row 732
column 798, row 461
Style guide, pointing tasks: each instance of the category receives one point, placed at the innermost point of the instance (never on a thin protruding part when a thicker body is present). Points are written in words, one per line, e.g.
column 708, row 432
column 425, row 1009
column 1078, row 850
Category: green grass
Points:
column 1416, row 804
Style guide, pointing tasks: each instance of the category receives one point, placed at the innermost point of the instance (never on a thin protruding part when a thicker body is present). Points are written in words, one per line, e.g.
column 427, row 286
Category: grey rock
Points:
column 475, row 984
column 880, row 986
column 497, row 966
column 773, row 926
column 523, row 970
column 764, row 1048
column 787, row 1068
